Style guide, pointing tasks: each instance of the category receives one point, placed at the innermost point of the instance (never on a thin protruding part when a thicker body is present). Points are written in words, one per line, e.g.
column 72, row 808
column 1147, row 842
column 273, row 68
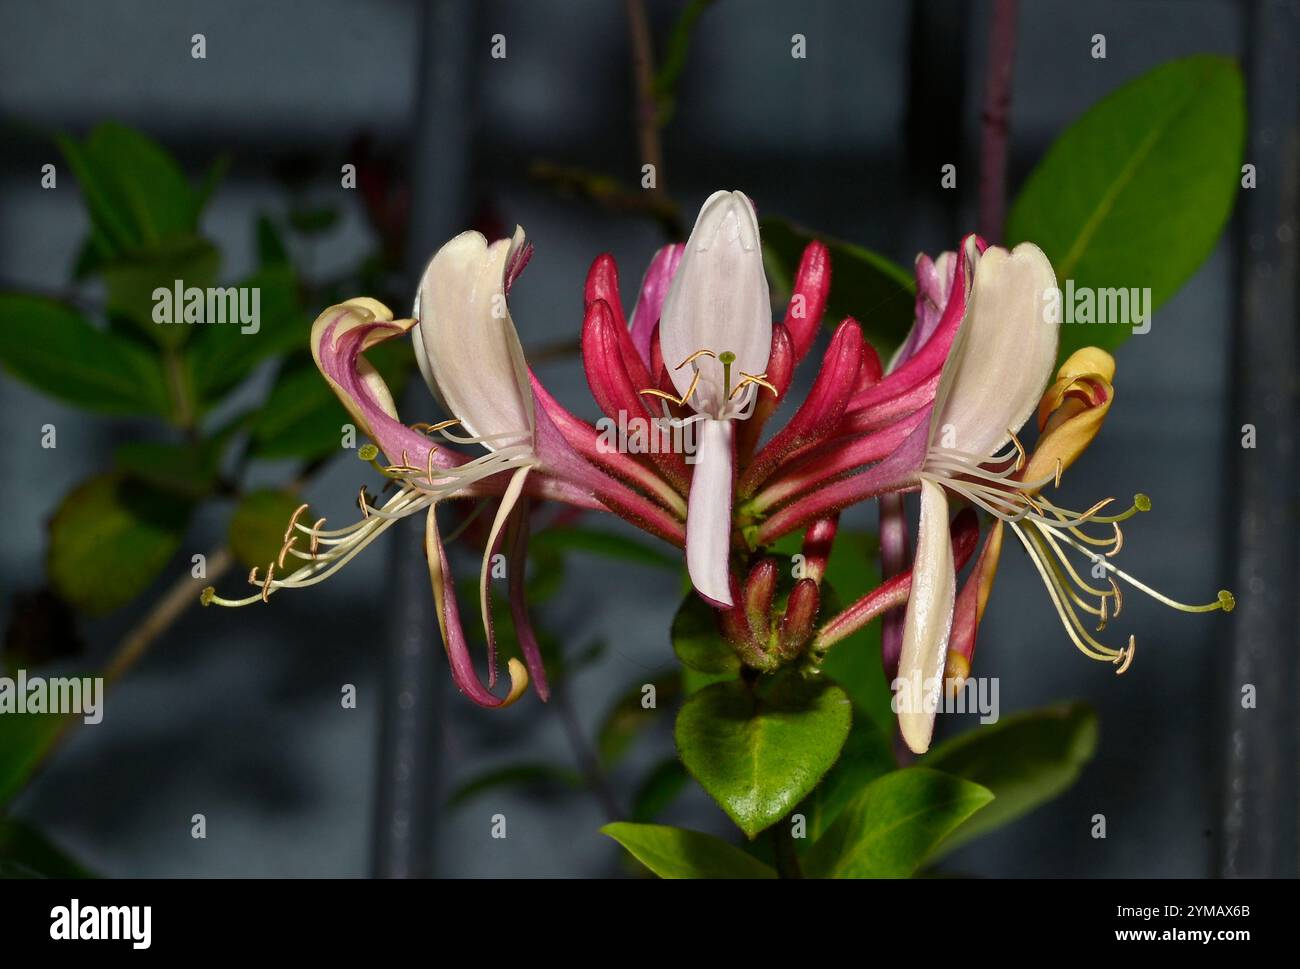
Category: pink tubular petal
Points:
column 615, row 390
column 708, row 520
column 896, row 472
column 969, row 610
column 602, row 287
column 929, row 359
column 586, row 441
column 650, row 303
column 815, row 467
column 559, row 461
column 919, row 683
column 821, row 411
column 780, row 371
column 453, row 634
column 817, row 543
column 518, row 566
column 893, row 561
column 893, row 593
column 812, row 286
column 872, row 369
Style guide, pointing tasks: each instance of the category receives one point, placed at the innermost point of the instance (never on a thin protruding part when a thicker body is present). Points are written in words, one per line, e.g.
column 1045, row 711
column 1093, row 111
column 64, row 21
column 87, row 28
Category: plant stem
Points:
column 183, row 594
column 646, row 112
column 994, row 124
column 588, row 762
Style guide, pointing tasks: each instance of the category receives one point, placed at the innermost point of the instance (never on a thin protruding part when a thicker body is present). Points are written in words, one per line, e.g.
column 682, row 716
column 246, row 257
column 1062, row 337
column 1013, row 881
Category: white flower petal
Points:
column 466, row 343
column 718, row 301
column 1003, row 355
column 928, row 624
column 708, row 514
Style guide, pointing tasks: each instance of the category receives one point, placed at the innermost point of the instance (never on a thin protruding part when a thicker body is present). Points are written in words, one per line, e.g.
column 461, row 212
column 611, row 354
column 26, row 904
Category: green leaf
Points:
column 697, row 641
column 26, row 853
column 628, row 718
column 874, row 290
column 134, row 277
column 24, row 741
column 678, row 853
column 258, row 524
column 187, row 469
column 865, row 757
column 759, row 749
column 893, row 825
column 606, row 544
column 534, row 777
column 53, row 348
column 1136, row 191
column 110, row 538
column 1025, row 760
column 137, row 194
column 221, row 355
column 659, row 789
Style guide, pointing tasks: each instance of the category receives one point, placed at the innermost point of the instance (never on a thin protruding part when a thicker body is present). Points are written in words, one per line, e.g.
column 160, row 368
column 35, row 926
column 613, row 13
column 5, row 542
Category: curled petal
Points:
column 650, row 303
column 708, row 518
column 812, row 286
column 453, row 634
column 928, row 624
column 718, row 302
column 1072, row 411
column 1003, row 354
column 466, row 342
column 518, row 565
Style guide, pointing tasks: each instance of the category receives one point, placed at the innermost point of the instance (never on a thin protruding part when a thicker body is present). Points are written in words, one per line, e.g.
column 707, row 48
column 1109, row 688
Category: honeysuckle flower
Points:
column 992, row 381
column 469, row 353
column 716, row 333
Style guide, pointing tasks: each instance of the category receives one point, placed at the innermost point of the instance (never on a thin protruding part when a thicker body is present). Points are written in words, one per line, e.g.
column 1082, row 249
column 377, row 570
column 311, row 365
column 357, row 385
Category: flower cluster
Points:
column 701, row 353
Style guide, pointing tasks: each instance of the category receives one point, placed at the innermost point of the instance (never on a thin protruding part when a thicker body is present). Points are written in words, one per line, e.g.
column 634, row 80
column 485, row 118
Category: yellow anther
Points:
column 695, row 356
column 293, row 520
column 1021, row 457
column 315, row 537
column 1125, row 656
column 361, row 502
column 266, row 586
column 679, row 401
column 750, row 378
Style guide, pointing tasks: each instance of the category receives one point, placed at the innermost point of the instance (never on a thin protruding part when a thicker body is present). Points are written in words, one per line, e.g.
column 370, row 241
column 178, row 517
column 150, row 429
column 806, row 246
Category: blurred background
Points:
column 236, row 715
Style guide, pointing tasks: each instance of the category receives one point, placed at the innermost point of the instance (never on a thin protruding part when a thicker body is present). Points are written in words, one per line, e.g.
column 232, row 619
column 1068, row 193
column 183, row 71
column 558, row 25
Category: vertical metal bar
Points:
column 1262, row 781
column 406, row 801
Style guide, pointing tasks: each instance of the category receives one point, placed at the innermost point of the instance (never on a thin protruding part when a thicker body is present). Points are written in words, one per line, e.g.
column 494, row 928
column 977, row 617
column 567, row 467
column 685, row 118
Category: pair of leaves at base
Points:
column 888, row 830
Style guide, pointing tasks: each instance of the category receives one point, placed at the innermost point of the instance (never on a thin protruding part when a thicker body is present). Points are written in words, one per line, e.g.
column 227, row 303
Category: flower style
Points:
column 701, row 351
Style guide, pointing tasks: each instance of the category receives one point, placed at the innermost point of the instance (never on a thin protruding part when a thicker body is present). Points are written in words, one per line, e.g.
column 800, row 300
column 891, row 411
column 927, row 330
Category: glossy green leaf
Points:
column 678, row 853
column 890, row 829
column 874, row 290
column 53, row 348
column 110, row 538
column 26, row 853
column 697, row 641
column 760, row 748
column 865, row 757
column 257, row 526
column 1135, row 193
column 659, row 789
column 1025, row 760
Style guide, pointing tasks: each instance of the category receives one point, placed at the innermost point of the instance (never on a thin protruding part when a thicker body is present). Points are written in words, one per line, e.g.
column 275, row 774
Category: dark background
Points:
column 236, row 715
